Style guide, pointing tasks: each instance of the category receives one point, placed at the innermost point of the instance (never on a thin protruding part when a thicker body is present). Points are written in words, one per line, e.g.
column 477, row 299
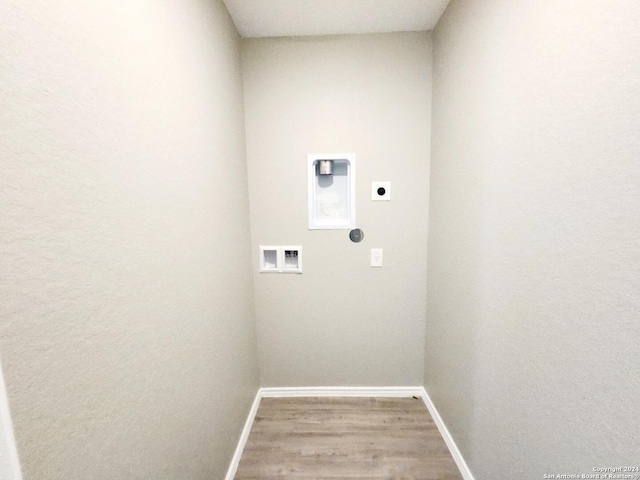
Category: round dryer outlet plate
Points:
column 356, row 235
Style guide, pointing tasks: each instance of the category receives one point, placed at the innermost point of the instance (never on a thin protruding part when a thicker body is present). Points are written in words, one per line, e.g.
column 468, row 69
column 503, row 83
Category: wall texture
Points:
column 341, row 322
column 126, row 309
column 532, row 352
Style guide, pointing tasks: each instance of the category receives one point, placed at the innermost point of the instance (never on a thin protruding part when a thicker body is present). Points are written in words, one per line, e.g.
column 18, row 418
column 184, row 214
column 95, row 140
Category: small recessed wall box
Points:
column 381, row 191
column 269, row 259
column 280, row 259
column 292, row 260
column 332, row 193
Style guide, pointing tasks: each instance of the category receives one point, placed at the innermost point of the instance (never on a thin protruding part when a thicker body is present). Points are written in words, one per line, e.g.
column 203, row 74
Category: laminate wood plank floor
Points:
column 345, row 438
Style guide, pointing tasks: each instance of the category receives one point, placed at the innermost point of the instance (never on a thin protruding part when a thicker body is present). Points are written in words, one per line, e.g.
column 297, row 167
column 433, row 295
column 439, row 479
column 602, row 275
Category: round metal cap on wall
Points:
column 356, row 235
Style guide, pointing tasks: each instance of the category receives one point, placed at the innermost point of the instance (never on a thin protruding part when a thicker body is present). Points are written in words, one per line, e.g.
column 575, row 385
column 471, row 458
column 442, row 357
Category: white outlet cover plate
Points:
column 376, row 257
column 375, row 196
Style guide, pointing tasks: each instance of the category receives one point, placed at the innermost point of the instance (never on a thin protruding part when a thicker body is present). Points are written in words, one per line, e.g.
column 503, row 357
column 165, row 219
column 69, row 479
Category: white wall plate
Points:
column 381, row 191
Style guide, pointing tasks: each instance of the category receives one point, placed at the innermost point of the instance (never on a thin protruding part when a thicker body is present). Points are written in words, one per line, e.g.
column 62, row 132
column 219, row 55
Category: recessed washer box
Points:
column 278, row 259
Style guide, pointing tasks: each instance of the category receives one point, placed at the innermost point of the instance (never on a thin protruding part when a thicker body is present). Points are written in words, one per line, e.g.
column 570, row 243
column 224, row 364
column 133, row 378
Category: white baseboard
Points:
column 448, row 439
column 289, row 392
column 9, row 463
column 342, row 392
column 235, row 461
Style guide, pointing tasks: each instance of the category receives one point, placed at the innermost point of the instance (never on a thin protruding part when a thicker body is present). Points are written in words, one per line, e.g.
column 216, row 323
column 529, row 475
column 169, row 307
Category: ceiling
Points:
column 282, row 18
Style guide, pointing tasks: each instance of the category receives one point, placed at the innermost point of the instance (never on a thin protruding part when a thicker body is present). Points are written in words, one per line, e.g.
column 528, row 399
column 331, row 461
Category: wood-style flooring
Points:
column 345, row 438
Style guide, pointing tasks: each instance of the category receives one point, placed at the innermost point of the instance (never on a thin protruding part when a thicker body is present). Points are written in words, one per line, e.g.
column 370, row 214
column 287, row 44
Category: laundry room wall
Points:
column 341, row 322
column 532, row 353
column 127, row 329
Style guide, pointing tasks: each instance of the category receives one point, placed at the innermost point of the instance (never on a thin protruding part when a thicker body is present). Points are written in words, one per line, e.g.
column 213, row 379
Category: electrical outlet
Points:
column 376, row 257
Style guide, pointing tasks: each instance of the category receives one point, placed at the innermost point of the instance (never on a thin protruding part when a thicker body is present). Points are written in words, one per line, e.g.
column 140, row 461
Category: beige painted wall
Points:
column 532, row 352
column 126, row 309
column 341, row 322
